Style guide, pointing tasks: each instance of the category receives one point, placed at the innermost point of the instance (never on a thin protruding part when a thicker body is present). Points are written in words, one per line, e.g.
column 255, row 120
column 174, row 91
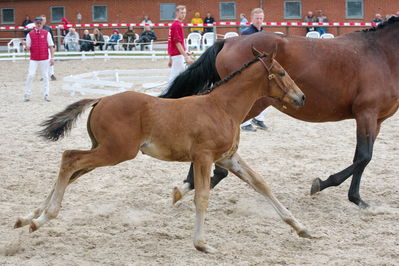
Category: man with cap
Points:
column 39, row 42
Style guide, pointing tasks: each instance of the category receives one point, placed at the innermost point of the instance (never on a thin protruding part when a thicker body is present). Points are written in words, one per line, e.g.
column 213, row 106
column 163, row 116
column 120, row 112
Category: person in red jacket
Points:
column 176, row 49
column 38, row 42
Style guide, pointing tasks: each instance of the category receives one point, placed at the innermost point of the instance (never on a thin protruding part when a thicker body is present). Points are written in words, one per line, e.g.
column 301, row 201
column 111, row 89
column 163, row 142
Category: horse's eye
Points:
column 281, row 74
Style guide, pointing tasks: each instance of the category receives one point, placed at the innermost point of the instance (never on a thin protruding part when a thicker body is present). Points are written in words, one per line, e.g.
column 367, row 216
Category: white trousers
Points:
column 178, row 66
column 44, row 70
column 259, row 117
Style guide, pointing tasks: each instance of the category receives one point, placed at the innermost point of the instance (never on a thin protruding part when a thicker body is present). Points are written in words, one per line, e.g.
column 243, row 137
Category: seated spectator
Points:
column 146, row 37
column 25, row 23
column 310, row 19
column 113, row 40
column 209, row 20
column 321, row 18
column 377, row 18
column 86, row 43
column 243, row 20
column 128, row 39
column 197, row 20
column 98, row 39
column 71, row 40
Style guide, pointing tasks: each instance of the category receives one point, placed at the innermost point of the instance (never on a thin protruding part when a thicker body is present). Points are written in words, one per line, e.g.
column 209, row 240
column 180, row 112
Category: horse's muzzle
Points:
column 299, row 101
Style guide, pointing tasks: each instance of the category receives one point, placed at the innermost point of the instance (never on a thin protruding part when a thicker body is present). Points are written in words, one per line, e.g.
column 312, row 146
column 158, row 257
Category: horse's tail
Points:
column 61, row 123
column 201, row 74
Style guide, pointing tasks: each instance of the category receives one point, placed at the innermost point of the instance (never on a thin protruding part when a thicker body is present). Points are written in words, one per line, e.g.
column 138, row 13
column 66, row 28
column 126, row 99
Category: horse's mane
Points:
column 233, row 74
column 390, row 21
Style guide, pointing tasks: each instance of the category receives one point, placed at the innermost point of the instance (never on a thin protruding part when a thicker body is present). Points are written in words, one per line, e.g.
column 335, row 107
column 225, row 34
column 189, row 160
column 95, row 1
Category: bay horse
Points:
column 200, row 129
column 353, row 76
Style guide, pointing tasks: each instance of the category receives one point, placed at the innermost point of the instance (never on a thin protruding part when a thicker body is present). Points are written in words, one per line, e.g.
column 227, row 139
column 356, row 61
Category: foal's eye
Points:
column 281, row 74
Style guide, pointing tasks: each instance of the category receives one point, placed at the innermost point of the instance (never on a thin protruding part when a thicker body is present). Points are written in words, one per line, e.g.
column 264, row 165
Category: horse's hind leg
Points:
column 367, row 131
column 237, row 166
column 219, row 174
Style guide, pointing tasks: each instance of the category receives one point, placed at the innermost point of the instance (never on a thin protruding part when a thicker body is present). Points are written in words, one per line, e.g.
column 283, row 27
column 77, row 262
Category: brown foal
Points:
column 200, row 129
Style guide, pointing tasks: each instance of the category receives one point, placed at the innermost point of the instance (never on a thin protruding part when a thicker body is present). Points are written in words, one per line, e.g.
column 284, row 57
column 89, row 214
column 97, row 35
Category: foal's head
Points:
column 279, row 84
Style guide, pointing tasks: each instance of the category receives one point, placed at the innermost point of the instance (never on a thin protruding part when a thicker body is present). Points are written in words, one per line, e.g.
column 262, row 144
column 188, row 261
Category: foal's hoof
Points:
column 33, row 227
column 18, row 223
column 315, row 186
column 206, row 249
column 305, row 234
column 363, row 205
column 176, row 195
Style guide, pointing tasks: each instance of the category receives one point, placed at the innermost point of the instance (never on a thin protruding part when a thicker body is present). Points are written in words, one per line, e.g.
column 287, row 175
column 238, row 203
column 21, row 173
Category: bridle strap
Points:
column 272, row 76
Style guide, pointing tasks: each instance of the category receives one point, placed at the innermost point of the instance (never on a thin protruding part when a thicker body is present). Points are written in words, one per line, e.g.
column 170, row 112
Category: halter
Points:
column 271, row 76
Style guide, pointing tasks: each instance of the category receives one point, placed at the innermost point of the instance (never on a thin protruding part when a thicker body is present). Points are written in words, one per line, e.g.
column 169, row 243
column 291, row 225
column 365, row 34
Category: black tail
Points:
column 202, row 74
column 59, row 124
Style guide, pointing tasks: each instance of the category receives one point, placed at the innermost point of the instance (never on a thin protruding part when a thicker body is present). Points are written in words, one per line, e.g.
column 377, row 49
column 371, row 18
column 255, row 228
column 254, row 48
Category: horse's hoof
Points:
column 305, row 234
column 18, row 223
column 206, row 249
column 315, row 186
column 363, row 205
column 33, row 227
column 176, row 195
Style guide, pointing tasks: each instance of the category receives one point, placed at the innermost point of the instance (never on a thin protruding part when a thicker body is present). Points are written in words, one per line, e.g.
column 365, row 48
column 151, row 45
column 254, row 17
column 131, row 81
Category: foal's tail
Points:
column 202, row 74
column 61, row 123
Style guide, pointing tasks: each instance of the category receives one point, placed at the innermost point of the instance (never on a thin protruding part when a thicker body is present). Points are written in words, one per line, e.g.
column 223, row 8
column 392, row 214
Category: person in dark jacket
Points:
column 48, row 28
column 146, row 37
column 98, row 39
column 128, row 39
column 25, row 23
column 86, row 43
column 209, row 20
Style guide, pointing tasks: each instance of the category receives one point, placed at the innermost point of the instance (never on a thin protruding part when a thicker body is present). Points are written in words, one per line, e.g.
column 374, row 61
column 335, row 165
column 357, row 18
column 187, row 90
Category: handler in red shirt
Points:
column 176, row 49
column 38, row 42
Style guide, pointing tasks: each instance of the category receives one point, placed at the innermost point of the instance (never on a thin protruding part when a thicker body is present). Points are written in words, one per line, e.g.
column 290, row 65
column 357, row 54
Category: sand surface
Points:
column 123, row 215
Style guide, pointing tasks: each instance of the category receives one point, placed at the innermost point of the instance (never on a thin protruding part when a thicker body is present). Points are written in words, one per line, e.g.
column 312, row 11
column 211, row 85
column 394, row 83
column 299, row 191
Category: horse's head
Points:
column 280, row 86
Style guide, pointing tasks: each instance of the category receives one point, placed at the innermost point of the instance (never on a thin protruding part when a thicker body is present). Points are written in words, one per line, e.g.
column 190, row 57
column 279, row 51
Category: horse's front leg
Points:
column 219, row 174
column 202, row 175
column 367, row 131
column 238, row 166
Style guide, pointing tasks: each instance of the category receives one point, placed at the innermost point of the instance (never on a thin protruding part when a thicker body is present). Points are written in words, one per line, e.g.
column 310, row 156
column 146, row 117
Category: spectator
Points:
column 243, row 20
column 63, row 31
column 128, row 39
column 209, row 20
column 377, row 18
column 176, row 50
column 86, row 43
column 321, row 18
column 65, row 23
column 310, row 19
column 146, row 37
column 25, row 23
column 48, row 28
column 146, row 20
column 197, row 20
column 71, row 40
column 257, row 17
column 115, row 37
column 98, row 39
column 39, row 42
column 388, row 16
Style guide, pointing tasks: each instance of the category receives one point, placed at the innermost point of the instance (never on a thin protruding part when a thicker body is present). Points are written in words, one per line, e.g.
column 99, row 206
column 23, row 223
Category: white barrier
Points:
column 108, row 82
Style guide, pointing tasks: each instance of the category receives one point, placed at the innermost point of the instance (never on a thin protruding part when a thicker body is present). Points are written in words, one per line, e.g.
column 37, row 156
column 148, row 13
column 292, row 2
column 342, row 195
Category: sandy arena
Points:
column 123, row 215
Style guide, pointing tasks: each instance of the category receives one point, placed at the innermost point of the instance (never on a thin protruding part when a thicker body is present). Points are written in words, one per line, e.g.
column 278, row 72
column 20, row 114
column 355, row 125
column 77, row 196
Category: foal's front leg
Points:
column 237, row 166
column 202, row 175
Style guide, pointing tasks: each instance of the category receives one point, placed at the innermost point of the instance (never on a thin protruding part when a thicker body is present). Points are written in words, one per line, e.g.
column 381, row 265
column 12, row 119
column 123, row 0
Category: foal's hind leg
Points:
column 74, row 161
column 219, row 174
column 22, row 221
column 237, row 166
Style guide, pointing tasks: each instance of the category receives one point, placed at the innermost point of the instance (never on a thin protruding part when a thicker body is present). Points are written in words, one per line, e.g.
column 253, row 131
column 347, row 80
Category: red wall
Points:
column 127, row 11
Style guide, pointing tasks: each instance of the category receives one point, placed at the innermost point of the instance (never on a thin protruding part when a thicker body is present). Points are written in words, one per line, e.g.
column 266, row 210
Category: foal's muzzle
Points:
column 299, row 100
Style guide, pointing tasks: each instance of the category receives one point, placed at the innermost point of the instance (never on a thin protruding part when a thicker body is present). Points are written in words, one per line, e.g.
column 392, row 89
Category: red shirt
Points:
column 175, row 35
